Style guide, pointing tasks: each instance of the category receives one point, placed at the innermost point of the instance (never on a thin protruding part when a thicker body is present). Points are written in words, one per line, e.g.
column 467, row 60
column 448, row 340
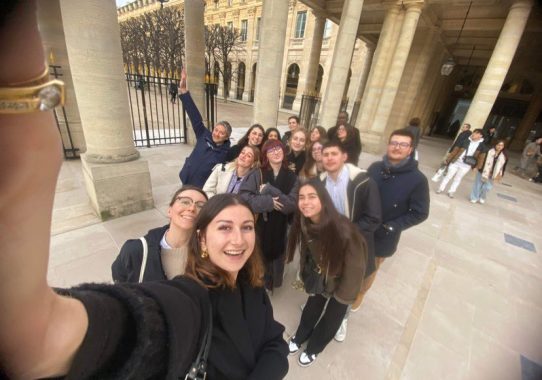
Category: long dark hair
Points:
column 334, row 231
column 244, row 140
column 202, row 269
column 309, row 161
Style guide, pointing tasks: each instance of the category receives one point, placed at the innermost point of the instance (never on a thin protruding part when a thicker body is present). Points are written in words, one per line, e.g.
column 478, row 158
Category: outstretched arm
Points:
column 39, row 330
column 191, row 109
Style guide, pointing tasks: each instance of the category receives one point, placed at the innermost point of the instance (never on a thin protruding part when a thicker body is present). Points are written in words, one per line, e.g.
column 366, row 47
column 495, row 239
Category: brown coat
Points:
column 345, row 285
column 457, row 151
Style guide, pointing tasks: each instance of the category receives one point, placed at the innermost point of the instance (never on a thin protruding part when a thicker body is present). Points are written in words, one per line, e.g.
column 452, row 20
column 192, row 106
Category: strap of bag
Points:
column 198, row 370
column 144, row 260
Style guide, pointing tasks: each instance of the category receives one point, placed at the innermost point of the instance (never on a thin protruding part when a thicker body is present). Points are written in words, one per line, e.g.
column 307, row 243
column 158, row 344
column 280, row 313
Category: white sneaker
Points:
column 482, row 201
column 302, row 306
column 340, row 335
column 306, row 360
column 474, row 201
column 292, row 346
column 451, row 195
column 438, row 191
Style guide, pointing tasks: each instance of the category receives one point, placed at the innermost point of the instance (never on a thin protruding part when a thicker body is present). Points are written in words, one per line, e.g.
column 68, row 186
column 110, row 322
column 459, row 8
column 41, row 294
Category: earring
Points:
column 204, row 253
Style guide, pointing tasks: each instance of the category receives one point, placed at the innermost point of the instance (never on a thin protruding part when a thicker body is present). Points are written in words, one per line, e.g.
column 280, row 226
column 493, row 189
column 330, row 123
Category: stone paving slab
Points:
column 455, row 302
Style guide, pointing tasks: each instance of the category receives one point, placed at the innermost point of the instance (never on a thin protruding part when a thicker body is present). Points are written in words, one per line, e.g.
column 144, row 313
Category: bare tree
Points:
column 225, row 42
column 154, row 40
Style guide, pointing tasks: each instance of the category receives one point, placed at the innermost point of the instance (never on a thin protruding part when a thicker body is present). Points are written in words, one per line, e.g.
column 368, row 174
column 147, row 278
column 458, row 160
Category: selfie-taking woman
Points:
column 227, row 178
column 272, row 134
column 161, row 254
column 271, row 193
column 313, row 164
column 255, row 137
column 297, row 143
column 333, row 257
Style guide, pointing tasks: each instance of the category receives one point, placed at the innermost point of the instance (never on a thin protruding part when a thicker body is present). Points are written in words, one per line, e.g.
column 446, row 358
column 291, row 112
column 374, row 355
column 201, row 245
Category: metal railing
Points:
column 158, row 117
column 62, row 123
column 308, row 111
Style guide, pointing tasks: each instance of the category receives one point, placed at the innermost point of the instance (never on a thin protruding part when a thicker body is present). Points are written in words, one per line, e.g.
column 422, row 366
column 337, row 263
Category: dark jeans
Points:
column 319, row 335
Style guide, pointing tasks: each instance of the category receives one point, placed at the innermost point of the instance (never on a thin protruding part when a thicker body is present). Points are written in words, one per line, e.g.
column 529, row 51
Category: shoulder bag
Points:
column 198, row 370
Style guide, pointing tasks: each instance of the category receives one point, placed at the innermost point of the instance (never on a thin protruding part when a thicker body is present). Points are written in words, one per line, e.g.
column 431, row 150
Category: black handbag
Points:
column 198, row 370
column 312, row 276
column 470, row 160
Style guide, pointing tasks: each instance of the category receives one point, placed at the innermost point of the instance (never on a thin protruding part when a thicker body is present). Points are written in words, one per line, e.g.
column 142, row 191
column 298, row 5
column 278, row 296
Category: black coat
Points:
column 168, row 319
column 363, row 208
column 127, row 265
column 404, row 193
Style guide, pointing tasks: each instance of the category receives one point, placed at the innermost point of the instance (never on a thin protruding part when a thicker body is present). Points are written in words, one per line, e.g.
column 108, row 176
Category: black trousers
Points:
column 319, row 332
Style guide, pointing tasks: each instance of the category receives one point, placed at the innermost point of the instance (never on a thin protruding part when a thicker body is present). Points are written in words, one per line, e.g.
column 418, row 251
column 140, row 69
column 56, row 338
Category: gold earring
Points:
column 204, row 253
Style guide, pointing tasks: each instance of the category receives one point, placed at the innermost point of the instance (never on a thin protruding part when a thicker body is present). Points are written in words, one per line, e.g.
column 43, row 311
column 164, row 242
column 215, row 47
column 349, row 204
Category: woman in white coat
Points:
column 227, row 177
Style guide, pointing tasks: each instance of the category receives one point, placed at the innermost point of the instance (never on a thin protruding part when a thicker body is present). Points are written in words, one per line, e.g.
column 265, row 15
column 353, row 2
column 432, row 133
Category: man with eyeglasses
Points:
column 404, row 193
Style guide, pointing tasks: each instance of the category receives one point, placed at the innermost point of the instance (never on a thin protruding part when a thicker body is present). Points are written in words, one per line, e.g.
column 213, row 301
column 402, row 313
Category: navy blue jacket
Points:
column 206, row 154
column 404, row 195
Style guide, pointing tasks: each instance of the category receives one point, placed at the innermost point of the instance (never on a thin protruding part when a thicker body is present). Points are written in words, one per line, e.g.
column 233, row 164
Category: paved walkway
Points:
column 461, row 299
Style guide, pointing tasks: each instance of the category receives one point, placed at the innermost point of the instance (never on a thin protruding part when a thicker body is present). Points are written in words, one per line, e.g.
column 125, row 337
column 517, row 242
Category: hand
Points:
column 262, row 186
column 276, row 204
column 182, row 82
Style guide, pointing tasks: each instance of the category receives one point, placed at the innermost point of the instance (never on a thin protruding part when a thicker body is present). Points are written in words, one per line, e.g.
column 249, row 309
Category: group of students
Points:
column 190, row 297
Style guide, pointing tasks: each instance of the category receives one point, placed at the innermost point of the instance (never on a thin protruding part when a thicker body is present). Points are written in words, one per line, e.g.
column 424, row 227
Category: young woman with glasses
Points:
column 161, row 254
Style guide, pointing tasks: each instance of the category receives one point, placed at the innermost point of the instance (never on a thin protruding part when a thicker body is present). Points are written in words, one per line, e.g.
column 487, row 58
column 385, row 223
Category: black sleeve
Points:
column 371, row 215
column 149, row 330
column 128, row 261
column 233, row 153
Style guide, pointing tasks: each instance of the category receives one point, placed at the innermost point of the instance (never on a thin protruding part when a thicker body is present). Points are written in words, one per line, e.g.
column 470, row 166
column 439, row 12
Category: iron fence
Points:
column 308, row 112
column 158, row 117
column 62, row 123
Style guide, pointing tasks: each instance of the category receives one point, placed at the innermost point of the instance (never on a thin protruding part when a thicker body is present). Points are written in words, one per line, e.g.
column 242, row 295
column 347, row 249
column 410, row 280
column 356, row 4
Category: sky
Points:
column 121, row 3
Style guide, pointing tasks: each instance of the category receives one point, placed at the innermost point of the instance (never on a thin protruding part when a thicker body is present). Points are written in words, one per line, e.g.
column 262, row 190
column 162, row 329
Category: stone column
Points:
column 249, row 62
column 416, row 70
column 534, row 109
column 369, row 54
column 194, row 37
column 379, row 69
column 397, row 67
column 269, row 69
column 312, row 47
column 499, row 63
column 342, row 56
column 117, row 181
column 54, row 44
column 292, row 17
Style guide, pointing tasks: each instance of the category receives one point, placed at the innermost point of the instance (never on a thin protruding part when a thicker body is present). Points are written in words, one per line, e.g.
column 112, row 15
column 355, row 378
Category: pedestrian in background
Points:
column 492, row 170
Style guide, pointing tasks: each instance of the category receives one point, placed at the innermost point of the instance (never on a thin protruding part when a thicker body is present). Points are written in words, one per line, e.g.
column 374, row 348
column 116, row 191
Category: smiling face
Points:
column 275, row 155
column 273, row 135
column 184, row 210
column 316, row 151
column 399, row 148
column 309, row 204
column 297, row 141
column 220, row 134
column 292, row 123
column 229, row 239
column 255, row 137
column 245, row 158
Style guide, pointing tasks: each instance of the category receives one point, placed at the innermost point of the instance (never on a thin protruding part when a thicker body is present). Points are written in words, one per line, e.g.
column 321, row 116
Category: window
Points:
column 230, row 2
column 300, row 24
column 327, row 28
column 217, row 4
column 230, row 25
column 244, row 30
column 258, row 25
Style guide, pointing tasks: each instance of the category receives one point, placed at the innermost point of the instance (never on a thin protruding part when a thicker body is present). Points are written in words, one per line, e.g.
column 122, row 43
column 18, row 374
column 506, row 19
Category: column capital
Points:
column 522, row 4
column 415, row 5
column 392, row 6
column 318, row 14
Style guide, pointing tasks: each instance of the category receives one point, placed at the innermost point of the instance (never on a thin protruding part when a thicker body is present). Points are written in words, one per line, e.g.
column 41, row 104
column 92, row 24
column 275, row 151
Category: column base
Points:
column 246, row 96
column 296, row 105
column 372, row 142
column 118, row 189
